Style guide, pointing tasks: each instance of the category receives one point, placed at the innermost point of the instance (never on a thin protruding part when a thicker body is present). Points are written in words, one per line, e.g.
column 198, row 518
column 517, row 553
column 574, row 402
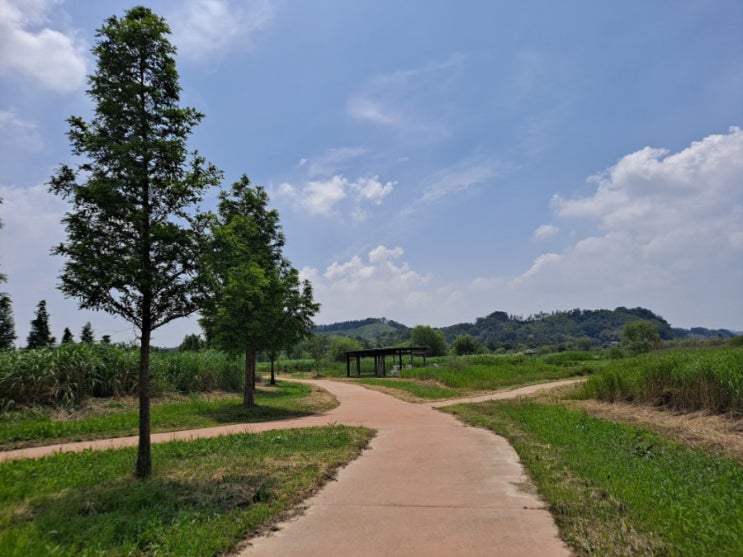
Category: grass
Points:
column 424, row 390
column 617, row 489
column 119, row 417
column 204, row 498
column 685, row 379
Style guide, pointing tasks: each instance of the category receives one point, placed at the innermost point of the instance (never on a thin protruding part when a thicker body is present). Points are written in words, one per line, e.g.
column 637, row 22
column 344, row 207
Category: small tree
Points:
column 134, row 234
column 191, row 343
column 256, row 301
column 40, row 335
column 7, row 323
column 318, row 347
column 423, row 335
column 67, row 337
column 464, row 345
column 340, row 345
column 640, row 336
column 86, row 334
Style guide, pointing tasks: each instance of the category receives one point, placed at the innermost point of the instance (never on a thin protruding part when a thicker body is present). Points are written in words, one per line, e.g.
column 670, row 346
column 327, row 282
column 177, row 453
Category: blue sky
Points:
column 432, row 161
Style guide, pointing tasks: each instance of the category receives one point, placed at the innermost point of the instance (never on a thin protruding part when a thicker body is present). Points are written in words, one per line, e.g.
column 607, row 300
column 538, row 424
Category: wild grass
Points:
column 67, row 374
column 119, row 417
column 683, row 379
column 617, row 489
column 204, row 497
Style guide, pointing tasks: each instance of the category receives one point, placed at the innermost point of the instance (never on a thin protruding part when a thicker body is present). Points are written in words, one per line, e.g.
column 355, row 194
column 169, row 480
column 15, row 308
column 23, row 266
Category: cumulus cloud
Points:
column 665, row 231
column 322, row 197
column 30, row 47
column 379, row 283
column 203, row 29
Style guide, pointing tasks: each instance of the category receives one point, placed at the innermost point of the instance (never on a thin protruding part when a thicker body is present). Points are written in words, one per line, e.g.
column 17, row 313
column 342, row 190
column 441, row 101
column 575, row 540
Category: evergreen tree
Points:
column 67, row 337
column 7, row 324
column 134, row 232
column 86, row 334
column 40, row 335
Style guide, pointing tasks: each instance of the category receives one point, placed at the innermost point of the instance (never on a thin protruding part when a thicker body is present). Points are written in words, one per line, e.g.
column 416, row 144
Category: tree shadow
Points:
column 258, row 413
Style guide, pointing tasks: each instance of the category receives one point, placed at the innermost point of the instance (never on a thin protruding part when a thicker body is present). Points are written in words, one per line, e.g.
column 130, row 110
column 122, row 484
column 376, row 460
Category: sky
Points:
column 431, row 161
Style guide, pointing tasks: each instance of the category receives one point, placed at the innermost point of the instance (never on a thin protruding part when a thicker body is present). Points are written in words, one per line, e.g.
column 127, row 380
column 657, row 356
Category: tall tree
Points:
column 67, row 337
column 86, row 334
column 40, row 335
column 7, row 324
column 133, row 234
column 257, row 301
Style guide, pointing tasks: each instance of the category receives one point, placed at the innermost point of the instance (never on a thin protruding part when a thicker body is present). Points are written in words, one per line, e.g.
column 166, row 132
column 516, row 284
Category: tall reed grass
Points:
column 685, row 379
column 66, row 374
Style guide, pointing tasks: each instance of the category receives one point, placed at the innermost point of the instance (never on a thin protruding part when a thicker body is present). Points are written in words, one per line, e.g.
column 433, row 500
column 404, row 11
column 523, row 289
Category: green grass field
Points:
column 203, row 498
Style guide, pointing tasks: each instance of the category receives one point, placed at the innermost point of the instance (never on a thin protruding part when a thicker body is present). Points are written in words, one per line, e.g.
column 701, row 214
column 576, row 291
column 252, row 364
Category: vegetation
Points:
column 117, row 417
column 256, row 300
column 67, row 374
column 86, row 334
column 89, row 503
column 371, row 332
column 423, row 335
column 40, row 335
column 464, row 345
column 684, row 379
column 132, row 236
column 617, row 489
column 7, row 323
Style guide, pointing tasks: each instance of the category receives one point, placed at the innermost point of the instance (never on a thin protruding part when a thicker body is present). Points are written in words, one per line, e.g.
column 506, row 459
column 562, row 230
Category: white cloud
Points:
column 53, row 58
column 379, row 285
column 545, row 231
column 332, row 161
column 203, row 29
column 321, row 197
column 668, row 236
column 16, row 133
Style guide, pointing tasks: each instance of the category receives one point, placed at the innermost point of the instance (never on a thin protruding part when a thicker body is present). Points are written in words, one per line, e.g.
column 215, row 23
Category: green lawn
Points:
column 119, row 417
column 617, row 489
column 204, row 496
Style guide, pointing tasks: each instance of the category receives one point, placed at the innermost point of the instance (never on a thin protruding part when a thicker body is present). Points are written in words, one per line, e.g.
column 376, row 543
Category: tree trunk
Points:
column 249, row 390
column 273, row 377
column 144, row 453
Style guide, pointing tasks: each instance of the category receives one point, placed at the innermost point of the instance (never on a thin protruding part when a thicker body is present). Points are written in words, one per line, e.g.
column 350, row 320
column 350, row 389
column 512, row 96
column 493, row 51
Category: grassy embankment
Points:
column 618, row 489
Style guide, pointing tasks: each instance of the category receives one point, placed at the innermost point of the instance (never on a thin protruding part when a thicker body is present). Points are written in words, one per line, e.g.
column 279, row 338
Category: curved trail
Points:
column 427, row 485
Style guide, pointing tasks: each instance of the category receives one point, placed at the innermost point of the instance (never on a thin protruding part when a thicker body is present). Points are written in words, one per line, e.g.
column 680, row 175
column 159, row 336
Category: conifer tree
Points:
column 134, row 232
column 40, row 335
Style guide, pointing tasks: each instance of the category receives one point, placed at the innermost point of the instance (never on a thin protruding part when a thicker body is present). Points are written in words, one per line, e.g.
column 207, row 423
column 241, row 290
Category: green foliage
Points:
column 464, row 345
column 67, row 336
column 86, row 334
column 40, row 335
column 681, row 379
column 68, row 373
column 373, row 332
column 133, row 235
column 207, row 497
column 617, row 489
column 640, row 336
column 340, row 345
column 192, row 343
column 7, row 324
column 256, row 300
column 318, row 347
column 423, row 335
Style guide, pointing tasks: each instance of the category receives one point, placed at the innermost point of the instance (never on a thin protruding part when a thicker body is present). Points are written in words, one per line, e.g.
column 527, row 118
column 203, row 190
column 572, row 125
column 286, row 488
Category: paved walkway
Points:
column 427, row 486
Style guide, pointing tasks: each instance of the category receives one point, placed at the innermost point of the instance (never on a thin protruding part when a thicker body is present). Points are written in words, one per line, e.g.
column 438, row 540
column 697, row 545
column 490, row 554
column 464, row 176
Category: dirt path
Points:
column 428, row 485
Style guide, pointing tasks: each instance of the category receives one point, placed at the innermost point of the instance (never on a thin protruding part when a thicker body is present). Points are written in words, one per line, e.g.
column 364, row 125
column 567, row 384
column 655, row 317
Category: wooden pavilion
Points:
column 380, row 358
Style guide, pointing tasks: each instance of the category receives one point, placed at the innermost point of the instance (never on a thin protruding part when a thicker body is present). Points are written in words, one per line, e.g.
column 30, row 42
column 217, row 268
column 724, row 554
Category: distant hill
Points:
column 372, row 332
column 502, row 331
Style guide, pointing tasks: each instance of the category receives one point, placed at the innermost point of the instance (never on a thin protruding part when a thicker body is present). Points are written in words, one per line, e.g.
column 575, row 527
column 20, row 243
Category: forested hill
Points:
column 373, row 331
column 500, row 330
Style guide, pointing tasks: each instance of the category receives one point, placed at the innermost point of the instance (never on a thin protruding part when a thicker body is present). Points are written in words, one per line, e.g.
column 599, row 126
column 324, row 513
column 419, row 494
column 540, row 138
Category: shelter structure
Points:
column 380, row 356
